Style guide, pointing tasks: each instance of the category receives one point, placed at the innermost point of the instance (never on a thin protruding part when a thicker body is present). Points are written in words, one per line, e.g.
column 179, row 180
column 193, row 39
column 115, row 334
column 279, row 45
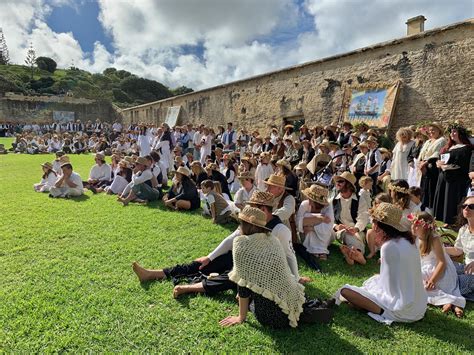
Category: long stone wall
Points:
column 435, row 68
column 28, row 109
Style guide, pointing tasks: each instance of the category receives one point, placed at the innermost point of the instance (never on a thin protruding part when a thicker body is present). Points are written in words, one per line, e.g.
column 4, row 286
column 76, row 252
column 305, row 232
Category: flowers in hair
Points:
column 377, row 214
column 421, row 222
column 398, row 189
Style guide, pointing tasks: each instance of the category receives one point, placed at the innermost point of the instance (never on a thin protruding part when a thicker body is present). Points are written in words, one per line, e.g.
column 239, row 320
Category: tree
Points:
column 31, row 59
column 181, row 90
column 4, row 55
column 140, row 89
column 45, row 63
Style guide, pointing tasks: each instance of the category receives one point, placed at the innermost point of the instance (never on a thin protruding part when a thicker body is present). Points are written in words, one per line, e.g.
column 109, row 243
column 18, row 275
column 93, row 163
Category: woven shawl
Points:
column 261, row 266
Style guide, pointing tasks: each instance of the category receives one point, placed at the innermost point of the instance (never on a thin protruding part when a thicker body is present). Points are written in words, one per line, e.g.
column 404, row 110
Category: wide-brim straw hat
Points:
column 47, row 165
column 141, row 160
column 318, row 194
column 211, row 166
column 289, row 126
column 285, row 163
column 196, row 162
column 436, row 125
column 253, row 216
column 64, row 159
column 372, row 139
column 356, row 135
column 277, row 180
column 262, row 198
column 348, row 177
column 183, row 171
column 129, row 159
column 301, row 166
column 388, row 214
column 246, row 175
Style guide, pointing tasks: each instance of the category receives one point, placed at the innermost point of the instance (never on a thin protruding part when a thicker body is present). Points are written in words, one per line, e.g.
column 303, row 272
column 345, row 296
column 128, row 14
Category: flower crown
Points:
column 399, row 189
column 421, row 222
column 456, row 125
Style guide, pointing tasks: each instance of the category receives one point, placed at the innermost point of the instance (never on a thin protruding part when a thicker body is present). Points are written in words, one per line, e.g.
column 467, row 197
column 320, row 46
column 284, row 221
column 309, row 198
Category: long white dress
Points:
column 318, row 240
column 398, row 289
column 144, row 144
column 399, row 169
column 447, row 287
column 205, row 148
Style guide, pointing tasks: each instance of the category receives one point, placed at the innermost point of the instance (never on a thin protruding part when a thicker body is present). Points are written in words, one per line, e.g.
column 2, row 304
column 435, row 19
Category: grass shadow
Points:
column 81, row 198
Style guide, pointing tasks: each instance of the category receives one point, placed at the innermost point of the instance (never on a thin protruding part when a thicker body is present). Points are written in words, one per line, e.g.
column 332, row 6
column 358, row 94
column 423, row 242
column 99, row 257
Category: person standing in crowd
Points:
column 205, row 144
column 229, row 138
column 263, row 171
column 399, row 170
column 345, row 136
column 453, row 179
column 373, row 161
column 429, row 155
column 414, row 174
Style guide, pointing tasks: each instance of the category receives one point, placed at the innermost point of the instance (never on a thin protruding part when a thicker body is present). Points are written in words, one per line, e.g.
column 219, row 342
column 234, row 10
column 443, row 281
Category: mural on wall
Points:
column 172, row 115
column 371, row 103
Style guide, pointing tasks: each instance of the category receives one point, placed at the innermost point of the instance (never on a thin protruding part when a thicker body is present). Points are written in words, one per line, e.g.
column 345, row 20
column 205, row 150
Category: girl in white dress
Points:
column 206, row 144
column 47, row 180
column 397, row 293
column 144, row 142
column 399, row 169
column 438, row 270
column 315, row 220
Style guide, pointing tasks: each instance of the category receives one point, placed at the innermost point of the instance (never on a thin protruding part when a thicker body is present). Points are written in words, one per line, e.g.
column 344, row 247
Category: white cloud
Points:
column 156, row 39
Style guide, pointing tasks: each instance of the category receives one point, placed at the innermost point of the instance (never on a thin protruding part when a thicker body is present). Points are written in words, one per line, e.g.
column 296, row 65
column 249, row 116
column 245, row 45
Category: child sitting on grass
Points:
column 218, row 207
column 437, row 268
column 365, row 192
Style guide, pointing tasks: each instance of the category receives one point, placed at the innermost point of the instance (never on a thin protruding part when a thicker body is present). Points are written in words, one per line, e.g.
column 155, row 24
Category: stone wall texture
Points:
column 435, row 69
column 19, row 108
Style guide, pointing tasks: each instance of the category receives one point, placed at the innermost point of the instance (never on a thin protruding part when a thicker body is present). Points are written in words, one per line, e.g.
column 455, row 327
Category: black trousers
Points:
column 221, row 265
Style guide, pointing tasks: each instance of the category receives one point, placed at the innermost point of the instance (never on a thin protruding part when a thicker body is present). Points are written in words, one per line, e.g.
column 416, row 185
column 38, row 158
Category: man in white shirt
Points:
column 229, row 138
column 140, row 188
column 69, row 184
column 351, row 217
column 100, row 174
column 117, row 127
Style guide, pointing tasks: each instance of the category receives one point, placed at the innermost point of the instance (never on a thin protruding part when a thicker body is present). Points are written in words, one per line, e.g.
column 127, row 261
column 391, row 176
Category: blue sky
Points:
column 202, row 43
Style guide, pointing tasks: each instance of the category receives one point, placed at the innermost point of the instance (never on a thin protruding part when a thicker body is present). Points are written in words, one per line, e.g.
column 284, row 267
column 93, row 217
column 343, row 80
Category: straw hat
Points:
column 265, row 155
column 183, row 171
column 253, row 216
column 195, row 162
column 348, row 177
column 285, row 163
column 129, row 159
column 142, row 161
column 388, row 214
column 277, row 180
column 211, row 166
column 301, row 166
column 356, row 135
column 124, row 164
column 262, row 198
column 317, row 194
column 47, row 165
column 289, row 126
column 436, row 125
column 246, row 175
column 372, row 139
column 363, row 145
column 64, row 159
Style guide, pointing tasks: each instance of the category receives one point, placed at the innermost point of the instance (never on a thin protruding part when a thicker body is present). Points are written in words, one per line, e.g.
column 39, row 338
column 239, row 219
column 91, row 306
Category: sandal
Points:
column 446, row 308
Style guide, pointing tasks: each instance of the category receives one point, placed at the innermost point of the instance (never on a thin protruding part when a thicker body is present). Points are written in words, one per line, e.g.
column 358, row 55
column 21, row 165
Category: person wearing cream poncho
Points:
column 265, row 281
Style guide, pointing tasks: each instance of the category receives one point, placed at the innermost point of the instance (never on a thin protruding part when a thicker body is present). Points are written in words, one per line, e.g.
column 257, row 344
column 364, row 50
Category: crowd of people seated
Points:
column 305, row 188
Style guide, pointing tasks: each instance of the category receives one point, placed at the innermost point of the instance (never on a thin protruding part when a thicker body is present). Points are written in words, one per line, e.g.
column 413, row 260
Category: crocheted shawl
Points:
column 261, row 266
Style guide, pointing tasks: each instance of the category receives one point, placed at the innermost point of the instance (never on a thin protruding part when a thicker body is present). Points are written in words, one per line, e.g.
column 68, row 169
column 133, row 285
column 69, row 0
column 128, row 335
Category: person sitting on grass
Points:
column 187, row 198
column 370, row 237
column 464, row 244
column 122, row 178
column 69, row 184
column 265, row 284
column 140, row 188
column 400, row 196
column 219, row 261
column 47, row 180
column 439, row 273
column 99, row 175
column 57, row 162
column 315, row 219
column 351, row 218
column 218, row 208
column 396, row 294
column 246, row 190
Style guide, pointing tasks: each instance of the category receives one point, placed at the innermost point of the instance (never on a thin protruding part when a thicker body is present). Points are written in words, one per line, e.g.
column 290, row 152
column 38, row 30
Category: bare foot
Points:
column 147, row 275
column 345, row 251
column 124, row 202
column 178, row 290
column 446, row 308
column 458, row 311
column 371, row 255
column 357, row 256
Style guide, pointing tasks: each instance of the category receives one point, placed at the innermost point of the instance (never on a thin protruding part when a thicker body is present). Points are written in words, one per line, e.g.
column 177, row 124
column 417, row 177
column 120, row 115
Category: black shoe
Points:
column 329, row 303
column 50, row 196
column 317, row 315
column 93, row 189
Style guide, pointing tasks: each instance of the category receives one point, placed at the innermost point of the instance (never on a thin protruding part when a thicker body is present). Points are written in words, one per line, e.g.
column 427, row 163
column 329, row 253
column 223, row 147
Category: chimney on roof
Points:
column 415, row 25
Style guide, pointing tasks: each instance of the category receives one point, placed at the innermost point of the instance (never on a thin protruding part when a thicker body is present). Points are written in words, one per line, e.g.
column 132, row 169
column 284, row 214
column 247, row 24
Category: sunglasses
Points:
column 470, row 206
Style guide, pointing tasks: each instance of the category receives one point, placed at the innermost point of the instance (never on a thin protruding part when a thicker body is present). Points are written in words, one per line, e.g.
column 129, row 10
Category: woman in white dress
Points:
column 206, row 144
column 144, row 141
column 164, row 147
column 438, row 270
column 397, row 293
column 315, row 220
column 399, row 169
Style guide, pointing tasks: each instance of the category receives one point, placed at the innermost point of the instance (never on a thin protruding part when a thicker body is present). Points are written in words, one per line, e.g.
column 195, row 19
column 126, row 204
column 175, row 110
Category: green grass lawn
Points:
column 66, row 283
